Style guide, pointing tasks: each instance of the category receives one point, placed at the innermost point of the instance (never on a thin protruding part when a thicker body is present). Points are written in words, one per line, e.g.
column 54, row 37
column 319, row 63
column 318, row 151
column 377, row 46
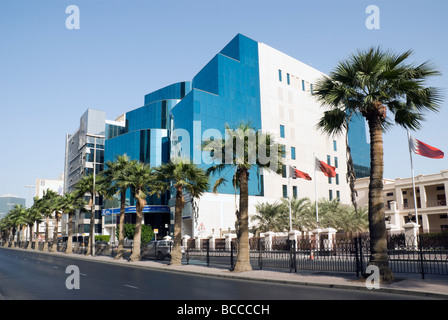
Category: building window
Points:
column 293, row 153
column 338, row 195
column 303, row 85
column 282, row 131
column 294, row 192
column 330, row 194
column 279, row 75
column 283, row 171
column 311, row 88
column 336, row 162
column 337, row 178
column 288, row 79
column 285, row 191
column 328, row 160
column 283, row 150
column 335, row 145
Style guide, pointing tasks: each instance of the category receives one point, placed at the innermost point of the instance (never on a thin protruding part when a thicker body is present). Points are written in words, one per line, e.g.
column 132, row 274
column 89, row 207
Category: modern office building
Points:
column 84, row 151
column 246, row 81
column 398, row 194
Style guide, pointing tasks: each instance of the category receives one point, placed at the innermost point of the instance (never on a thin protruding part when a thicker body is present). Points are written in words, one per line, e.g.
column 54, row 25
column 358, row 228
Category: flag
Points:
column 296, row 173
column 327, row 170
column 424, row 149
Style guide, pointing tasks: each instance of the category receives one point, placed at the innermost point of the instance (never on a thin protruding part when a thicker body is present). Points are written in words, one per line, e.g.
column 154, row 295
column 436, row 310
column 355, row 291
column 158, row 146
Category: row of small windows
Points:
column 331, row 194
column 288, row 80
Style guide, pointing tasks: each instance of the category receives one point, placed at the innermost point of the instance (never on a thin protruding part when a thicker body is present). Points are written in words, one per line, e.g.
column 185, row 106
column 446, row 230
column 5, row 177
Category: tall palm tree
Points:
column 243, row 148
column 69, row 204
column 48, row 206
column 116, row 174
column 183, row 176
column 34, row 218
column 139, row 177
column 18, row 219
column 90, row 185
column 367, row 84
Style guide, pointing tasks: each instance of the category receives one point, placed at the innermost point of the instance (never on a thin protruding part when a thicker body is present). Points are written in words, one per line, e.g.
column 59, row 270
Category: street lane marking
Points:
column 129, row 286
column 55, row 267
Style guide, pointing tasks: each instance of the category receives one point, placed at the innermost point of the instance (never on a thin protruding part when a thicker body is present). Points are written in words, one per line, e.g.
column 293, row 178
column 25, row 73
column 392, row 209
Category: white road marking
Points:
column 129, row 286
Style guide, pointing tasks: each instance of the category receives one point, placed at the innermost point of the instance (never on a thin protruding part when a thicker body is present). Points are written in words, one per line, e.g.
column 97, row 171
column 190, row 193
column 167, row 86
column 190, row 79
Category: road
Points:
column 27, row 275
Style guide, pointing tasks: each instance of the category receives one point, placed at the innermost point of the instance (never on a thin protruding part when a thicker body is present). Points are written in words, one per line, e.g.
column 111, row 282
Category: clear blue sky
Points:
column 50, row 75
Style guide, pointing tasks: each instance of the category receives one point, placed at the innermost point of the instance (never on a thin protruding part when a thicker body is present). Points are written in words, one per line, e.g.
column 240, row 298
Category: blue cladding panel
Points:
column 229, row 92
column 174, row 91
column 359, row 147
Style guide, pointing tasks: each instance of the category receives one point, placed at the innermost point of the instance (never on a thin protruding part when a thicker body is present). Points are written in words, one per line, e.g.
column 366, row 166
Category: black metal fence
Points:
column 406, row 254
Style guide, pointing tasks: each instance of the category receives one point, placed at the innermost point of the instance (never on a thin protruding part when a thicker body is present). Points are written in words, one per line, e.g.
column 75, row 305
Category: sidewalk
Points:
column 432, row 286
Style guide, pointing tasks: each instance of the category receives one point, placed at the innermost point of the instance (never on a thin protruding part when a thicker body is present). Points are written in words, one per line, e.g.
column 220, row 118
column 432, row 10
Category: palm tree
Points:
column 91, row 185
column 48, row 206
column 116, row 174
column 19, row 221
column 139, row 176
column 182, row 176
column 367, row 84
column 69, row 204
column 268, row 216
column 242, row 149
column 34, row 218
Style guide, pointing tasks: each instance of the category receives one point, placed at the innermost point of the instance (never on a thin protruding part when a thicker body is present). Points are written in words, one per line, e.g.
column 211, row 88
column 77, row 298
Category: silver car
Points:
column 157, row 249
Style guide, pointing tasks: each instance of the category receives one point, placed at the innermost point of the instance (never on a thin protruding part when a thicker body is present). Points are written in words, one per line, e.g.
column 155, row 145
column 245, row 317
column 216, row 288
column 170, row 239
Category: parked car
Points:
column 157, row 249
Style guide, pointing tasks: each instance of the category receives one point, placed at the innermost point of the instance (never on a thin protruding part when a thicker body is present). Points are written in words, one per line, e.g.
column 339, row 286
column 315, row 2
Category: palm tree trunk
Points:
column 45, row 248
column 36, row 240
column 69, row 248
column 377, row 224
column 136, row 255
column 176, row 253
column 54, row 247
column 120, row 249
column 242, row 257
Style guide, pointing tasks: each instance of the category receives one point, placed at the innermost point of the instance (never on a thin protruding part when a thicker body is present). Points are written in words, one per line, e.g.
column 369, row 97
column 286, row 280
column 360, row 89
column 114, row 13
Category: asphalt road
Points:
column 30, row 276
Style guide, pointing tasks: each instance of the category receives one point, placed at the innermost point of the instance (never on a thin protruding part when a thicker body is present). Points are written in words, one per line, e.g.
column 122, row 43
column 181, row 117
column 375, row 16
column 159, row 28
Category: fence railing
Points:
column 406, row 254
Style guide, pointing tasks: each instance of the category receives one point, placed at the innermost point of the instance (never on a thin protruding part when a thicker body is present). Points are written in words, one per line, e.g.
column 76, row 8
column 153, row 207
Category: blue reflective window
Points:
column 287, row 79
column 285, row 191
column 279, row 75
column 293, row 153
column 282, row 131
column 303, row 85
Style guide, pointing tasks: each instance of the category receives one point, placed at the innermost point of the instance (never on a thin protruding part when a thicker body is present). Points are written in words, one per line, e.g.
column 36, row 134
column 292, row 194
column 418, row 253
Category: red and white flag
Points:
column 296, row 173
column 327, row 170
column 424, row 149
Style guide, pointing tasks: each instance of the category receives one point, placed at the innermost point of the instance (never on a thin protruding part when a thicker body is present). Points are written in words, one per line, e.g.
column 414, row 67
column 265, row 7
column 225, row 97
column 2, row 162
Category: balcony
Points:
column 436, row 203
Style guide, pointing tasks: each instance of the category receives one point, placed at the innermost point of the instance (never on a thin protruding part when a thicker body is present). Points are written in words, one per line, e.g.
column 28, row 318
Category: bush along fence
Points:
column 324, row 251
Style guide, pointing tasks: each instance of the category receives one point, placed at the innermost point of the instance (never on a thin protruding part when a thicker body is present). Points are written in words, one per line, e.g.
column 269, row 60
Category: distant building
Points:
column 8, row 201
column 398, row 194
column 85, row 149
column 42, row 186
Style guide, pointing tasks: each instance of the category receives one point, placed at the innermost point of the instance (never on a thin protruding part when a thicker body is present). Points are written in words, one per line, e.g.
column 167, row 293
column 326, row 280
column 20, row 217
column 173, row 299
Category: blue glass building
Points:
column 246, row 81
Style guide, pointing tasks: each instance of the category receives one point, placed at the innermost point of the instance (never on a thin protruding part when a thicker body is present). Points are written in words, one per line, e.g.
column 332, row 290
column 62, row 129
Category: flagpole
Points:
column 315, row 190
column 412, row 173
column 289, row 187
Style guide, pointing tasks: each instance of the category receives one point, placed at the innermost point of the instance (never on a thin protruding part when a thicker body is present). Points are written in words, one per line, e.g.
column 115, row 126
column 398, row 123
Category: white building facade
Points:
column 431, row 195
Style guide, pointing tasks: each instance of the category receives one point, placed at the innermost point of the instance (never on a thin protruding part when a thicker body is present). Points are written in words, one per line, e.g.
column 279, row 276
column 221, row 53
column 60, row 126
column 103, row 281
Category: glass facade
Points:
column 359, row 147
column 225, row 91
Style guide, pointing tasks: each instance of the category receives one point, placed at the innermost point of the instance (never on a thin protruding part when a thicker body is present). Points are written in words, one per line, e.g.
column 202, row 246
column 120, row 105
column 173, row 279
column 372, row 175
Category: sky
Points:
column 50, row 74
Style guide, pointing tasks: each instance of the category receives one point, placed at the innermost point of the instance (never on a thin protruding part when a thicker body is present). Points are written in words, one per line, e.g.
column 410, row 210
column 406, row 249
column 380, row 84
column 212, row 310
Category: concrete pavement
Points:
column 412, row 284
